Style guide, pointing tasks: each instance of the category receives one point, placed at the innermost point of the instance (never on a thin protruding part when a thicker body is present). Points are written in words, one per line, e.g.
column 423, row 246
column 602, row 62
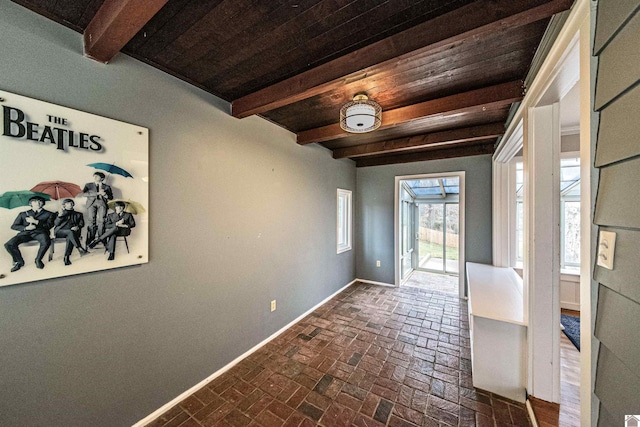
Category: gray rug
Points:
column 571, row 328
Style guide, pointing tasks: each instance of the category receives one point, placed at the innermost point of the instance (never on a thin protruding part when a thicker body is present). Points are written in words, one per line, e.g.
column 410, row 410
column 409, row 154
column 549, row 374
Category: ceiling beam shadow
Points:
column 475, row 20
column 468, row 134
column 115, row 23
column 473, row 101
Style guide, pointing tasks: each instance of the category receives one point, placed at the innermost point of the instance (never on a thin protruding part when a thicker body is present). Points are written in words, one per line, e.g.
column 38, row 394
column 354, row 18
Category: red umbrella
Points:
column 58, row 189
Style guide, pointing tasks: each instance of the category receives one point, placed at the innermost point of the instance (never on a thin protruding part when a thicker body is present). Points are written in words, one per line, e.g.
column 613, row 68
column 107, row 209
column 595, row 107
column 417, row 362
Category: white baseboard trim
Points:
column 164, row 408
column 570, row 305
column 371, row 282
column 532, row 416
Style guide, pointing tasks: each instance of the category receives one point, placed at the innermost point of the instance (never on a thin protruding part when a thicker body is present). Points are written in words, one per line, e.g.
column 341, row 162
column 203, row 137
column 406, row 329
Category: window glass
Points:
column 569, row 213
column 519, row 238
column 571, row 234
column 344, row 221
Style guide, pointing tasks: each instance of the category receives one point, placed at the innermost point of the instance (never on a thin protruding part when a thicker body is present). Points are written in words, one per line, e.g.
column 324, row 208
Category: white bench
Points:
column 498, row 330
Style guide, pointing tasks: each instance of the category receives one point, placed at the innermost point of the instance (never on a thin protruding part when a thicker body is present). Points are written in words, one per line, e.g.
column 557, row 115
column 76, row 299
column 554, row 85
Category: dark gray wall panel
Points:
column 616, row 326
column 594, row 177
column 626, row 269
column 618, row 195
column 606, row 419
column 619, row 65
column 611, row 15
column 618, row 136
column 616, row 386
column 615, row 313
column 374, row 207
column 242, row 215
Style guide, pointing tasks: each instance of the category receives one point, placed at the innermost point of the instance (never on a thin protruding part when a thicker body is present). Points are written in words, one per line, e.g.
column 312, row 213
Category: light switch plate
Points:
column 606, row 249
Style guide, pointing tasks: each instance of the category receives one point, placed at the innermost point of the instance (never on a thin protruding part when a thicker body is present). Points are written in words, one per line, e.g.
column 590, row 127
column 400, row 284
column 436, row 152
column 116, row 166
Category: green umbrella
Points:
column 14, row 199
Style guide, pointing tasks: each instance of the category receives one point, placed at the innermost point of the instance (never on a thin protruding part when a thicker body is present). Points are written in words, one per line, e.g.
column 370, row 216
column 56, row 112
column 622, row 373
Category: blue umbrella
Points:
column 14, row 199
column 111, row 168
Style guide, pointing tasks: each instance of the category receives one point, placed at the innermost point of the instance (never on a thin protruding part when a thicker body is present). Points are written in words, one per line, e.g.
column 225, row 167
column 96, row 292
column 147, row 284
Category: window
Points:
column 569, row 213
column 519, row 214
column 344, row 220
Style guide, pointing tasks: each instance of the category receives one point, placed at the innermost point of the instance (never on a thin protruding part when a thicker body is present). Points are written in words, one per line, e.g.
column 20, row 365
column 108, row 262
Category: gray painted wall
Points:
column 617, row 378
column 239, row 215
column 374, row 237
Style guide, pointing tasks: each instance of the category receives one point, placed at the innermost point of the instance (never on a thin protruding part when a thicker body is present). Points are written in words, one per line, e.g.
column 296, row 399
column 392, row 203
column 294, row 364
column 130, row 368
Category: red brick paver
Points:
column 372, row 356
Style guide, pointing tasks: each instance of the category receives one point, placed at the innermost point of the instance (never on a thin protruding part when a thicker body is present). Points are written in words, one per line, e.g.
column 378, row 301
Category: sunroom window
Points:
column 569, row 214
column 519, row 238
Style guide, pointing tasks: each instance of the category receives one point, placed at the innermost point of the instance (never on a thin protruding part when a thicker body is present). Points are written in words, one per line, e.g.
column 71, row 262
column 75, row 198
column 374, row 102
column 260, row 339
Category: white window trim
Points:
column 348, row 220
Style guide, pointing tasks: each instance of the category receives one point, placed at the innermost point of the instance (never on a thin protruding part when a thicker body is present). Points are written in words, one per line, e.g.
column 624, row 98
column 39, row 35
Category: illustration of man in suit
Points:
column 68, row 225
column 98, row 194
column 119, row 223
column 34, row 224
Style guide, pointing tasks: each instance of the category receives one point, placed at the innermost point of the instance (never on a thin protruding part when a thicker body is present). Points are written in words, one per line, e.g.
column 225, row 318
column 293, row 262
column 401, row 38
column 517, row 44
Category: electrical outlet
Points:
column 273, row 305
column 378, row 263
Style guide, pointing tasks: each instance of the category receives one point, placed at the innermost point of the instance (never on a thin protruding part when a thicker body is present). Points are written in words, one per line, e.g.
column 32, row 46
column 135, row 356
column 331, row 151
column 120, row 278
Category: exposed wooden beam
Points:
column 465, row 23
column 115, row 23
column 473, row 133
column 468, row 150
column 476, row 100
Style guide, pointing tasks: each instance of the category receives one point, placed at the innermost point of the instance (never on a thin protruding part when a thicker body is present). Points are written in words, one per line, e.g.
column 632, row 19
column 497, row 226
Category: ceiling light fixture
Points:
column 360, row 115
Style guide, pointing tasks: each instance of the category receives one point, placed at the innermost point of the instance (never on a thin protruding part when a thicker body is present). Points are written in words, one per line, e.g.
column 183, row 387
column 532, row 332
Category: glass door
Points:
column 406, row 237
column 452, row 238
column 430, row 229
column 438, row 237
column 431, row 236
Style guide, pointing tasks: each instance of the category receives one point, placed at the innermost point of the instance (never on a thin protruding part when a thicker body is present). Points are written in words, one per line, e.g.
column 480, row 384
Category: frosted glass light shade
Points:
column 360, row 115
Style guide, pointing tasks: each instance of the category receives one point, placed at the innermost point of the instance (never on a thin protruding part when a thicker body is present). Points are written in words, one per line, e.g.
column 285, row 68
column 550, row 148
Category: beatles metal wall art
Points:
column 74, row 194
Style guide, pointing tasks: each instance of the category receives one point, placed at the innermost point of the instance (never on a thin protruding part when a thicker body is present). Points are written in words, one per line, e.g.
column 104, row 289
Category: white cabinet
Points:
column 498, row 330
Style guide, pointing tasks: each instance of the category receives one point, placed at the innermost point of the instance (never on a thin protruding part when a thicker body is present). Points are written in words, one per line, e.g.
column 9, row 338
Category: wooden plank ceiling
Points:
column 445, row 72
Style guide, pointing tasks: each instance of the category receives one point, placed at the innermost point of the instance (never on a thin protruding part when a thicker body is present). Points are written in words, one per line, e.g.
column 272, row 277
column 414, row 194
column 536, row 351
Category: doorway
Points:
column 537, row 125
column 438, row 237
column 430, row 231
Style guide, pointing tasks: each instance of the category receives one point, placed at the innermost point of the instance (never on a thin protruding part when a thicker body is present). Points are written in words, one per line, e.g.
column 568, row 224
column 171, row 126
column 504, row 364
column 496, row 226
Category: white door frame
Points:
column 461, row 203
column 548, row 87
column 541, row 163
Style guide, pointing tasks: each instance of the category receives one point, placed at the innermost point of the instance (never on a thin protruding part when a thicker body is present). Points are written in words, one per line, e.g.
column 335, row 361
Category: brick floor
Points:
column 433, row 281
column 372, row 356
